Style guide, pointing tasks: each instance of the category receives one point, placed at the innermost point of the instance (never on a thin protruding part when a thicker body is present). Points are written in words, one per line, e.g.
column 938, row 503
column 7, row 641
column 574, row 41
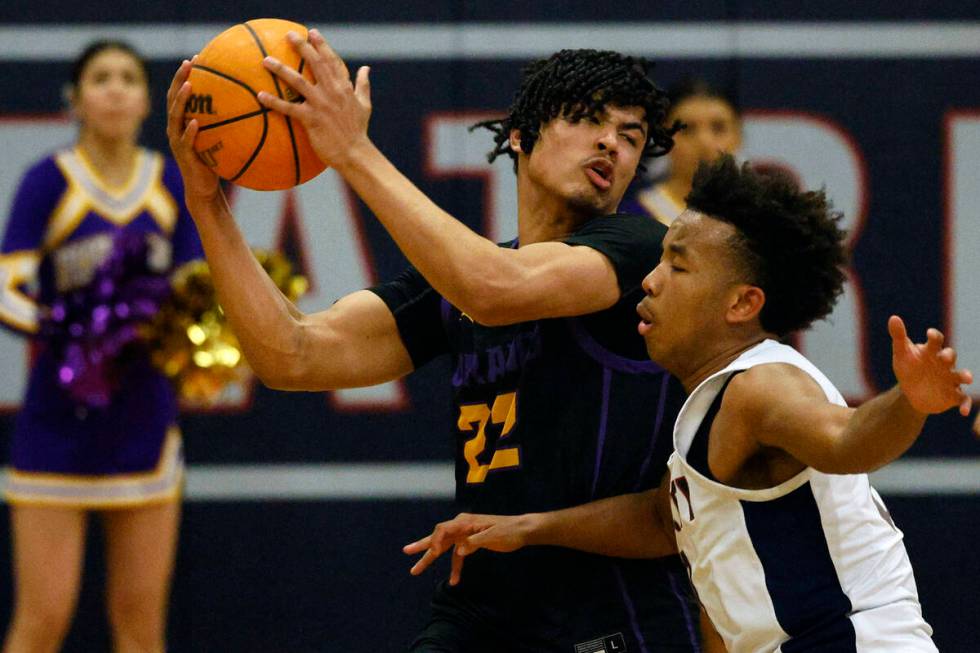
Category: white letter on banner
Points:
column 819, row 153
column 962, row 151
column 335, row 252
column 23, row 141
column 451, row 150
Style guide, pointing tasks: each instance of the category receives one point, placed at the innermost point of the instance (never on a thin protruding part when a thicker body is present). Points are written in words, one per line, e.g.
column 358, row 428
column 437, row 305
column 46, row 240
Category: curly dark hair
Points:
column 578, row 84
column 788, row 240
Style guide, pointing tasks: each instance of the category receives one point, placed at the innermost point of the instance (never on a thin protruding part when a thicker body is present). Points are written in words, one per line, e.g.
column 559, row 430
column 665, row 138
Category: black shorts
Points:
column 458, row 625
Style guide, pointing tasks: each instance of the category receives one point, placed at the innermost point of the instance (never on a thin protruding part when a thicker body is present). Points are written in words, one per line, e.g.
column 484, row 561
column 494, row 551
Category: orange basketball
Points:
column 239, row 138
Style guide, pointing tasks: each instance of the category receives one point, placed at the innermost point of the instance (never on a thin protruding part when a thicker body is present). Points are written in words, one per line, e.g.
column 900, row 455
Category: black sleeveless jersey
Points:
column 549, row 414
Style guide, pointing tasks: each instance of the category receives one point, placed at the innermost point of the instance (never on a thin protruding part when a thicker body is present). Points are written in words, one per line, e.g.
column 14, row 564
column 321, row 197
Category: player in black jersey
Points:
column 552, row 393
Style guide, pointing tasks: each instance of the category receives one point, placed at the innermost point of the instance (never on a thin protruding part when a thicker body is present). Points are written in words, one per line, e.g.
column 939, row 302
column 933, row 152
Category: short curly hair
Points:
column 788, row 239
column 578, row 84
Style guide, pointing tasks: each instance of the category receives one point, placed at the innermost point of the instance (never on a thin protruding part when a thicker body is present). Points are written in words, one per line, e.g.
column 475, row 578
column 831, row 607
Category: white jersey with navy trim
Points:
column 813, row 564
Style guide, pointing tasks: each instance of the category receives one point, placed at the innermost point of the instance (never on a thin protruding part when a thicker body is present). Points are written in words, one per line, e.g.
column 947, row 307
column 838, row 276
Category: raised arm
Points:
column 628, row 526
column 836, row 439
column 353, row 343
column 490, row 284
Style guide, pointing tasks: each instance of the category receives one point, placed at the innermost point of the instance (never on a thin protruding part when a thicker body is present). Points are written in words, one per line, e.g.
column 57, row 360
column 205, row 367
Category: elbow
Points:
column 284, row 364
column 278, row 375
column 275, row 379
column 491, row 316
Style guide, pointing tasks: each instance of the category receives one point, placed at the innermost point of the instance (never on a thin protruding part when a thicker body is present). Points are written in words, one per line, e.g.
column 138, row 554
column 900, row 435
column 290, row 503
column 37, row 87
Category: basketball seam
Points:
column 275, row 80
column 242, row 116
column 265, row 116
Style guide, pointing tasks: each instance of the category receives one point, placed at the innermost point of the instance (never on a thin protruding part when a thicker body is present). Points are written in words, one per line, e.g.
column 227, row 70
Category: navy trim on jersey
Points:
column 806, row 593
column 697, row 453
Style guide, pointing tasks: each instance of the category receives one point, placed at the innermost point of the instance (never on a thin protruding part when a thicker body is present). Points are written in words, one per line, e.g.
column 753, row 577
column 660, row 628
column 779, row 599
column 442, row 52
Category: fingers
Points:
column 327, row 55
column 320, row 57
column 180, row 90
column 948, row 356
column 425, row 562
column 434, row 545
column 484, row 539
column 417, row 546
column 456, row 568
column 270, row 101
column 293, row 78
column 362, row 86
column 896, row 329
column 187, row 138
column 183, row 71
column 934, row 340
column 965, row 407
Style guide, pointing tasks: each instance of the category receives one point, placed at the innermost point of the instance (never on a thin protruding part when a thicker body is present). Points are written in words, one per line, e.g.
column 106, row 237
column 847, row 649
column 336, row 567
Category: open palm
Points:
column 926, row 372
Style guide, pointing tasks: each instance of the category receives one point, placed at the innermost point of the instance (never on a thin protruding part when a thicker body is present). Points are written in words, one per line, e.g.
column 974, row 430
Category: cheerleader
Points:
column 118, row 457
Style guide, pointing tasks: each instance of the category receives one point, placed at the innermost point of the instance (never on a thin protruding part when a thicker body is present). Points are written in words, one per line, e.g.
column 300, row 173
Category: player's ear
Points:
column 515, row 140
column 746, row 303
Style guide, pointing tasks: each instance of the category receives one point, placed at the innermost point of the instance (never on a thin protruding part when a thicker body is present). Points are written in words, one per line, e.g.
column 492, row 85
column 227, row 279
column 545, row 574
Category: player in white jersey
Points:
column 767, row 497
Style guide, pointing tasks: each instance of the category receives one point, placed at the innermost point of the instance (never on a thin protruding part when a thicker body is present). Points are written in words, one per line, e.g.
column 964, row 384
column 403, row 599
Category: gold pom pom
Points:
column 191, row 341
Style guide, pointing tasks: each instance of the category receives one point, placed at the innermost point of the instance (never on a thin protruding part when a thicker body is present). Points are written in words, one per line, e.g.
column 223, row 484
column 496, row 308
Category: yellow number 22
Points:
column 504, row 411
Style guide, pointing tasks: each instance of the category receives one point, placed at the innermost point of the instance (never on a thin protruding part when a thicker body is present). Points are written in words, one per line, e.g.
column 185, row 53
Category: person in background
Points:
column 712, row 127
column 120, row 457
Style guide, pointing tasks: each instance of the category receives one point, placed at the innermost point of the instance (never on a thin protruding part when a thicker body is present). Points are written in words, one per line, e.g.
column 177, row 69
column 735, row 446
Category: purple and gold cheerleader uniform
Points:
column 59, row 231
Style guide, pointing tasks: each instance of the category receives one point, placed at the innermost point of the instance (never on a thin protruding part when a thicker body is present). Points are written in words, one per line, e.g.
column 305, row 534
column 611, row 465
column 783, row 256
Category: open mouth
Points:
column 599, row 172
column 646, row 321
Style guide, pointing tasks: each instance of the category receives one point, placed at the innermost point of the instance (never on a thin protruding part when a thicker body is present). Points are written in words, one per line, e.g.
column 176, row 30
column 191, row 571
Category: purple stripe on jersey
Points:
column 657, row 423
column 630, row 609
column 605, row 357
column 691, row 632
column 444, row 309
column 603, row 419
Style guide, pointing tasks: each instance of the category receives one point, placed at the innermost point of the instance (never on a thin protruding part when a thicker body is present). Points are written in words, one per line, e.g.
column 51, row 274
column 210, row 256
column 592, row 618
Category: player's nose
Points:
column 650, row 284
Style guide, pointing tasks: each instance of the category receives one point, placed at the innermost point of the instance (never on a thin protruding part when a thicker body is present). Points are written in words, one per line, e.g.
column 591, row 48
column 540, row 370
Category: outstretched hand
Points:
column 467, row 534
column 926, row 372
column 200, row 182
column 335, row 111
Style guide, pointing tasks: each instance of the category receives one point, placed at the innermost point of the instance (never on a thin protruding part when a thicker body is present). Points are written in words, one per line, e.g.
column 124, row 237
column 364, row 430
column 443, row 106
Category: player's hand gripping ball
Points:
column 239, row 139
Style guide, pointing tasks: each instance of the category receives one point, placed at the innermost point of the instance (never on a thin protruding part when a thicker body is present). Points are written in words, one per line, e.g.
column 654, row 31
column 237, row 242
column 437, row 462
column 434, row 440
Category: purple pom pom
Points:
column 94, row 329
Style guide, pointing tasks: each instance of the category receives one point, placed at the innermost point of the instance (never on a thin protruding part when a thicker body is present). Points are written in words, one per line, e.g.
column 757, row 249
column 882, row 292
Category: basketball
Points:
column 240, row 139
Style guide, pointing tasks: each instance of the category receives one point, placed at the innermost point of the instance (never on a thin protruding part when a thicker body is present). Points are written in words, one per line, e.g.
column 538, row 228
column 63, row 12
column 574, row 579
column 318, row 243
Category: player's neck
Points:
column 545, row 217
column 112, row 159
column 544, row 227
column 702, row 366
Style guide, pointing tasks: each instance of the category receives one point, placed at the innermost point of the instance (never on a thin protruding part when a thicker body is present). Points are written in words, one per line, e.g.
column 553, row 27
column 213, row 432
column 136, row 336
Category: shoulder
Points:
column 44, row 171
column 626, row 224
column 755, row 392
column 628, row 240
column 41, row 185
column 409, row 287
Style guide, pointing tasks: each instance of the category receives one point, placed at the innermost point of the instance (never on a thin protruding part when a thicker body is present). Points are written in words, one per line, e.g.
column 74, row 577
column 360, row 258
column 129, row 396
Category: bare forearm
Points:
column 460, row 264
column 627, row 526
column 264, row 321
column 878, row 432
